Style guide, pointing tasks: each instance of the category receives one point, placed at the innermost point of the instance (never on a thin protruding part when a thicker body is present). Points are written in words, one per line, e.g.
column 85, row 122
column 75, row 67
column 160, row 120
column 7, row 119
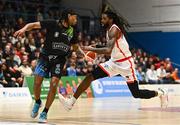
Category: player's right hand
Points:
column 19, row 33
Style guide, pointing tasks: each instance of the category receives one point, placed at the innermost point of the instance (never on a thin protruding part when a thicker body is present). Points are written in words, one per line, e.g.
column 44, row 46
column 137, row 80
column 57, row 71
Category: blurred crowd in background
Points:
column 19, row 56
column 30, row 10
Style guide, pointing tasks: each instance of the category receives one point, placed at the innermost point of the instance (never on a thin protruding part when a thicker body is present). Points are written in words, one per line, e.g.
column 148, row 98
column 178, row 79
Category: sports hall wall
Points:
column 149, row 15
column 164, row 44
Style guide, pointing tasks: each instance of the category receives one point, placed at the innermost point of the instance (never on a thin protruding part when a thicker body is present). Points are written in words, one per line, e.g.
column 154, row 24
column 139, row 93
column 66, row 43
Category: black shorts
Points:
column 49, row 68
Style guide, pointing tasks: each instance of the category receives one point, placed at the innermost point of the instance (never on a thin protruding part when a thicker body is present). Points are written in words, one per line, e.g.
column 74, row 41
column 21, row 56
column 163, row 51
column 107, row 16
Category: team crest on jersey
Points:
column 56, row 34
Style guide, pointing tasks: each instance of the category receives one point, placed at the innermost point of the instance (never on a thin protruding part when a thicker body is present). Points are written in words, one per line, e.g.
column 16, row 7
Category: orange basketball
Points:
column 90, row 56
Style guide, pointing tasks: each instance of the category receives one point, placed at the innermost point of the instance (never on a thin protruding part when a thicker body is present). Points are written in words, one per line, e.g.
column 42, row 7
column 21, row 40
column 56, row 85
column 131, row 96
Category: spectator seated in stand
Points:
column 152, row 76
column 175, row 75
column 71, row 71
column 163, row 76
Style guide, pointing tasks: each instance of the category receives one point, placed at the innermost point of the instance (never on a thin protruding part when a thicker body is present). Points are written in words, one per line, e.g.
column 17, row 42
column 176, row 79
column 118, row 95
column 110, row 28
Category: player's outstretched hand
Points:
column 19, row 33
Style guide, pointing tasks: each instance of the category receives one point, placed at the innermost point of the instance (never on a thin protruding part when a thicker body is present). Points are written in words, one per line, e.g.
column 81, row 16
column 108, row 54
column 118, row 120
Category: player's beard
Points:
column 105, row 26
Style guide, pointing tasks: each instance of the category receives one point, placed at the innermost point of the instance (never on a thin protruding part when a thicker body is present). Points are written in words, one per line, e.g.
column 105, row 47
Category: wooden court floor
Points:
column 99, row 111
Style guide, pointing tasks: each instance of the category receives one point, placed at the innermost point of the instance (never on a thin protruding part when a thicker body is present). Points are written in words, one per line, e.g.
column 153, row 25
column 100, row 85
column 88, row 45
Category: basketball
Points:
column 90, row 55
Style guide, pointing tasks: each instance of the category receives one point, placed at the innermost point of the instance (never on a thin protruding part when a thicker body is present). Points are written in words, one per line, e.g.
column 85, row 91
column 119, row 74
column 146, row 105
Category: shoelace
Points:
column 161, row 90
column 43, row 115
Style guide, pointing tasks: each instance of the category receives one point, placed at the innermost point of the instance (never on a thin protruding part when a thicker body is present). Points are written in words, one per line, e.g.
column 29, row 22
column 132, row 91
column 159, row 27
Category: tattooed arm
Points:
column 113, row 34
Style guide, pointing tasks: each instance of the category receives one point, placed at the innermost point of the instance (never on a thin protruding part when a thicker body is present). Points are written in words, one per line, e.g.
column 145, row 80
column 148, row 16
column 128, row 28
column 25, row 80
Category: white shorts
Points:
column 125, row 68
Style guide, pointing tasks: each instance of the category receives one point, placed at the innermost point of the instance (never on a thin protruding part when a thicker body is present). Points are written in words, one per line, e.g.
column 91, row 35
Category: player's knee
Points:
column 37, row 83
column 135, row 94
column 90, row 76
column 54, row 81
column 38, row 80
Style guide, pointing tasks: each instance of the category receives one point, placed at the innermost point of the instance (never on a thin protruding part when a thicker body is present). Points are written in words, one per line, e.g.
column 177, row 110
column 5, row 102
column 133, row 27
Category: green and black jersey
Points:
column 58, row 38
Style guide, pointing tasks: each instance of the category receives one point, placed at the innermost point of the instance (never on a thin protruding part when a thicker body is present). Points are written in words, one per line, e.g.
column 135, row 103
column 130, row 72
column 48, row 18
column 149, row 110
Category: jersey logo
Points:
column 52, row 57
column 56, row 34
column 57, row 69
column 64, row 34
column 60, row 46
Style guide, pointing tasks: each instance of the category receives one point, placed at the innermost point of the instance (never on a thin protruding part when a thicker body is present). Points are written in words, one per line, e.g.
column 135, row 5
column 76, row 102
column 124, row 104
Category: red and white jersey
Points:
column 120, row 50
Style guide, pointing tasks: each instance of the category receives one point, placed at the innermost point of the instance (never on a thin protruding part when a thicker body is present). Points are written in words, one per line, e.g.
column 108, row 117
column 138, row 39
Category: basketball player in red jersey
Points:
column 120, row 63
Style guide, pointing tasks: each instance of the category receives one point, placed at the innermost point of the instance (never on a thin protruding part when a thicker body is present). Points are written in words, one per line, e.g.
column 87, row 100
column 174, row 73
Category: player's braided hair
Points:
column 64, row 16
column 118, row 20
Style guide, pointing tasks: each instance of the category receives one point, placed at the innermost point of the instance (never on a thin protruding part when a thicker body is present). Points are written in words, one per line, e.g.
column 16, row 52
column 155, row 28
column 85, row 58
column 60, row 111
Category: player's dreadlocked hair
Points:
column 118, row 20
column 64, row 15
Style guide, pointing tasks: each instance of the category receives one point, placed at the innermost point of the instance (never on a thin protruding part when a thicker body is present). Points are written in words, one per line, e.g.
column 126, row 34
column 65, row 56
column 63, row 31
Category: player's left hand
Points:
column 86, row 48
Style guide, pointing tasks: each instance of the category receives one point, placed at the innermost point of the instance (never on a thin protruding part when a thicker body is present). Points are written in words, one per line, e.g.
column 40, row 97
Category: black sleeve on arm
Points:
column 47, row 24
